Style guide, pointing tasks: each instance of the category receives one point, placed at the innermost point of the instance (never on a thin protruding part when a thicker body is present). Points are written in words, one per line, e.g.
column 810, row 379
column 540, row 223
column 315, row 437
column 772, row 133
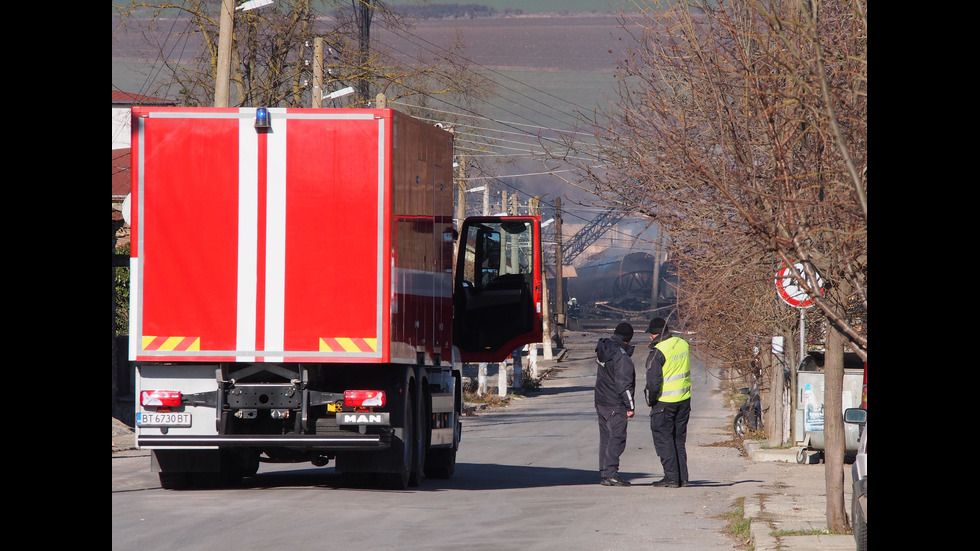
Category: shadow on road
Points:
column 469, row 476
column 553, row 390
column 486, row 476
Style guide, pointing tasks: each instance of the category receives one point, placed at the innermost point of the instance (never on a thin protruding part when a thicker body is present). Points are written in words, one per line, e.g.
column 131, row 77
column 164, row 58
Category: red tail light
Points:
column 160, row 398
column 364, row 398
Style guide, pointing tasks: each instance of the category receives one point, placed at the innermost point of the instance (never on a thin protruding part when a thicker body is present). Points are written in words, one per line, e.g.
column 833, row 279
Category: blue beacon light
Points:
column 261, row 118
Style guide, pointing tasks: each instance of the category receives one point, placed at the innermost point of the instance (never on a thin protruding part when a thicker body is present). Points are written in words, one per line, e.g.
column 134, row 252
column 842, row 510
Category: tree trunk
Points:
column 363, row 15
column 834, row 442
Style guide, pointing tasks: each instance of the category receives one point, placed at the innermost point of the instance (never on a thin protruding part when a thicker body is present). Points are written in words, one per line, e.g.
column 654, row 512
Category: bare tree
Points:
column 363, row 13
column 741, row 128
column 269, row 49
column 272, row 48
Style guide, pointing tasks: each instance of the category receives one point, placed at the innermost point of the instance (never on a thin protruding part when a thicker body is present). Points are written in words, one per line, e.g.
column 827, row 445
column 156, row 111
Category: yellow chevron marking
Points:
column 348, row 344
column 170, row 344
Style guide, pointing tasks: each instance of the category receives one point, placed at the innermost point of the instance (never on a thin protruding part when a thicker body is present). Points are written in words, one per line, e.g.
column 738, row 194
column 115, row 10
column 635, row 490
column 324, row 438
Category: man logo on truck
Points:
column 362, row 419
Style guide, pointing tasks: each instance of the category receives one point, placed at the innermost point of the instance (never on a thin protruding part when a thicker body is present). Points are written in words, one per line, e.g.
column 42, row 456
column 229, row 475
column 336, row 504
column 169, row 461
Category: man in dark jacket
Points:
column 668, row 393
column 615, row 387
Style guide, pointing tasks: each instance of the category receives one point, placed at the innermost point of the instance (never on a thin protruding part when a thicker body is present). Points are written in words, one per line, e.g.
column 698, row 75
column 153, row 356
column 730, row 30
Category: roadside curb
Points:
column 760, row 533
column 755, row 451
column 782, row 510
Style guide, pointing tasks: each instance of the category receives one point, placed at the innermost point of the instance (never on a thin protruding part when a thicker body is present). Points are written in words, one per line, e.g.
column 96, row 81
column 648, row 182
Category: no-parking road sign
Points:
column 790, row 290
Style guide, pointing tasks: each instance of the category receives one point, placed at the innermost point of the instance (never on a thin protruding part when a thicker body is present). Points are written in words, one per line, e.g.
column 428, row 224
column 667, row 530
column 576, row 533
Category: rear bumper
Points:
column 353, row 442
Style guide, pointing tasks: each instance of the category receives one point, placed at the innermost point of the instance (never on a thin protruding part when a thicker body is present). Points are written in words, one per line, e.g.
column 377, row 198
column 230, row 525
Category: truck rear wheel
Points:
column 404, row 448
column 188, row 470
column 441, row 463
column 422, row 415
column 175, row 481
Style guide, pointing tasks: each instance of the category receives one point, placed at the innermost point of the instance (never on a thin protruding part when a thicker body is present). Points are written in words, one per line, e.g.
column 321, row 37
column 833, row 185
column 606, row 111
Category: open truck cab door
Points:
column 497, row 292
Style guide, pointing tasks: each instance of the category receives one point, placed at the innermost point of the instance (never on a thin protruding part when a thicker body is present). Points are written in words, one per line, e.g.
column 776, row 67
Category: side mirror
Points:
column 856, row 416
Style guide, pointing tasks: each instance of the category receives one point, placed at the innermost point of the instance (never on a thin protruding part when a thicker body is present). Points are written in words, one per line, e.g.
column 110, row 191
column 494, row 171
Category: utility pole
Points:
column 225, row 31
column 461, row 192
column 559, row 284
column 545, row 310
column 317, row 72
column 534, row 209
column 486, row 199
column 502, row 367
column 514, row 252
column 481, row 370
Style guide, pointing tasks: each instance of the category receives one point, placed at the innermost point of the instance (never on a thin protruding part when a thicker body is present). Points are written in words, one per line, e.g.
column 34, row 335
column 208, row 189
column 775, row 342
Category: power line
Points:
column 444, row 51
column 512, row 128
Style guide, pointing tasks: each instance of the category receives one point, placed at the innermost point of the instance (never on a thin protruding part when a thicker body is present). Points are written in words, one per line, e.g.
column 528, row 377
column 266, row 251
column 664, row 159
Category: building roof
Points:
column 120, row 174
column 120, row 157
column 122, row 101
column 128, row 98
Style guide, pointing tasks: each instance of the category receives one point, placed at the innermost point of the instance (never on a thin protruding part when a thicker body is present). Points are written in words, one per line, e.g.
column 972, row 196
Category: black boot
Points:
column 614, row 481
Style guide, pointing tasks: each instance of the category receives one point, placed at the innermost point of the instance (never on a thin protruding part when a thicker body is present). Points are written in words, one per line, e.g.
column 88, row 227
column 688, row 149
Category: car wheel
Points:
column 860, row 526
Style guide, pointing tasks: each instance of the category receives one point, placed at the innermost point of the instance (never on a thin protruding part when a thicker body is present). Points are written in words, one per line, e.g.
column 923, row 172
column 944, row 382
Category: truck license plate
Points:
column 162, row 419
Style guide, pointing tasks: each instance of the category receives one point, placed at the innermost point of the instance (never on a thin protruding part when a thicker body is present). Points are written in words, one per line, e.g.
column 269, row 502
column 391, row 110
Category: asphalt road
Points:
column 526, row 479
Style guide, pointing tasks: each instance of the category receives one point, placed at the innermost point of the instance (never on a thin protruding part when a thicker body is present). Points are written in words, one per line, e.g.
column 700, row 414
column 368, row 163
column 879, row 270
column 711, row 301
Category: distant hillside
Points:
column 452, row 11
column 489, row 8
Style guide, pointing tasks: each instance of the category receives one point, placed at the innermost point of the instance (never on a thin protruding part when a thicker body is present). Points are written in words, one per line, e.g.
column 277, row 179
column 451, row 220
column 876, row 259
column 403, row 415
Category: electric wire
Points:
column 515, row 128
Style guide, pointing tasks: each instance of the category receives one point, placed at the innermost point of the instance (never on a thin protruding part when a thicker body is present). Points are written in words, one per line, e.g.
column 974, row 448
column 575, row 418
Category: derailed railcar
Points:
column 624, row 283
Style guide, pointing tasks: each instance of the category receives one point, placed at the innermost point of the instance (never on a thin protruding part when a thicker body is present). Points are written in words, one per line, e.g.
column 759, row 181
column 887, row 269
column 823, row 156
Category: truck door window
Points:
column 496, row 285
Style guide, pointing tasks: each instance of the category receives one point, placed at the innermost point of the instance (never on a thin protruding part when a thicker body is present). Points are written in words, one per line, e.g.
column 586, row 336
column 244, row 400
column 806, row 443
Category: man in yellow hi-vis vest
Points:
column 668, row 393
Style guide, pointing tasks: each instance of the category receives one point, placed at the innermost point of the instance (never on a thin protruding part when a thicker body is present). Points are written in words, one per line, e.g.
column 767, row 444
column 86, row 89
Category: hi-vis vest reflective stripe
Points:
column 677, row 370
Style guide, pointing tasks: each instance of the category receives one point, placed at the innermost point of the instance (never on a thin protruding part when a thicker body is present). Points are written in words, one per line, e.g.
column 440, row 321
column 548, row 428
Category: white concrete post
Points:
column 502, row 379
column 481, row 379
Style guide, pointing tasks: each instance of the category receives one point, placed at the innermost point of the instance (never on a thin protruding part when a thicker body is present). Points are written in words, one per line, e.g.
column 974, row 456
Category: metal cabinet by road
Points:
column 809, row 414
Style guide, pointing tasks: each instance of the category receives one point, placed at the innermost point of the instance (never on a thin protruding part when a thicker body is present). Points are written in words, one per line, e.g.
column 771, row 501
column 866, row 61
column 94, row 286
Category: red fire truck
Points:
column 296, row 294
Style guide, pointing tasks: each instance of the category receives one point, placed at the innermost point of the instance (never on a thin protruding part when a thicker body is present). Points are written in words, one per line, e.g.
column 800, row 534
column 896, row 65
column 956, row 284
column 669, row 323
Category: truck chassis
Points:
column 297, row 413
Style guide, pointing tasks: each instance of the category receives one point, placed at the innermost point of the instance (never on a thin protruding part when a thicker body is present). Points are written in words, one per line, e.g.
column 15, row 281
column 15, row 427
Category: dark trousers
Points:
column 612, row 439
column 668, row 423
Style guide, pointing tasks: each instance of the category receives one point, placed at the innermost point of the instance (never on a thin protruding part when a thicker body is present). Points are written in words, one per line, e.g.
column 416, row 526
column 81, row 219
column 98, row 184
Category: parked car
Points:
column 859, row 475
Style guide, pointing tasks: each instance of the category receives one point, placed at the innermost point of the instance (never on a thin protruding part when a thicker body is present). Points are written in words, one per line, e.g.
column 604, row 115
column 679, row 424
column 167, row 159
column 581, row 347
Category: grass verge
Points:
column 737, row 525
